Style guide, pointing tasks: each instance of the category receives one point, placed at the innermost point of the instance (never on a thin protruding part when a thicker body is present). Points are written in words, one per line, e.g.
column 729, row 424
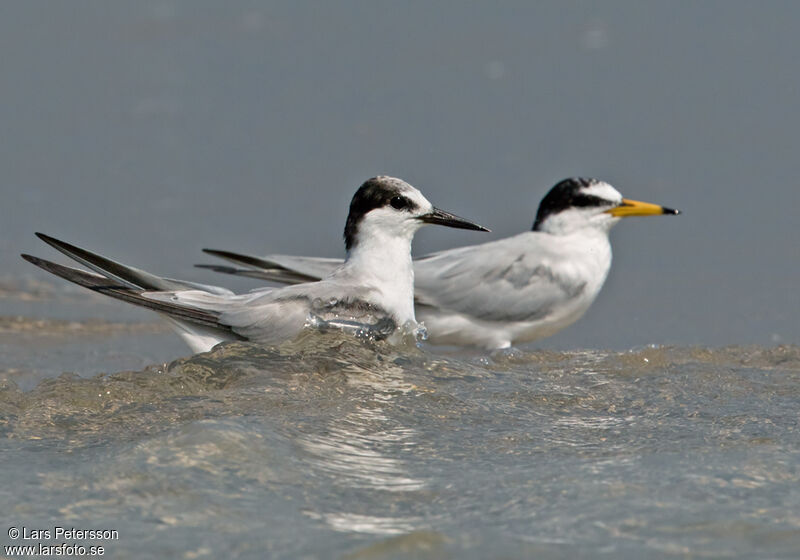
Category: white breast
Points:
column 572, row 270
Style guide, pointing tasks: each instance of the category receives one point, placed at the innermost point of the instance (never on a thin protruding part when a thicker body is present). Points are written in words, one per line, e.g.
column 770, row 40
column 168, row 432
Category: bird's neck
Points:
column 586, row 252
column 383, row 262
column 588, row 239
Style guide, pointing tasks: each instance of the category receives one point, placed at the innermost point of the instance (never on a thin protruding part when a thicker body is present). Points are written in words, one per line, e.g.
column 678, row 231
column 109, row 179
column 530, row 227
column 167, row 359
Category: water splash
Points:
column 652, row 451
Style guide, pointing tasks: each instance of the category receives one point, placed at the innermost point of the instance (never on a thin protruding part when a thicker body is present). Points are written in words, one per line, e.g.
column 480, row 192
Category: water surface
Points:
column 329, row 447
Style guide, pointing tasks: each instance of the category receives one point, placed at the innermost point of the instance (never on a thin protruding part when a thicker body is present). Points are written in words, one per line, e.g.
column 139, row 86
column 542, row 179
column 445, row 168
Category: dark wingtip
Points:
column 224, row 254
column 216, row 268
column 50, row 267
column 52, row 241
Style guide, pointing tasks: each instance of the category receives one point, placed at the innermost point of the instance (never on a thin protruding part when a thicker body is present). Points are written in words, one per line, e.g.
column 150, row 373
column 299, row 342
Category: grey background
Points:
column 149, row 130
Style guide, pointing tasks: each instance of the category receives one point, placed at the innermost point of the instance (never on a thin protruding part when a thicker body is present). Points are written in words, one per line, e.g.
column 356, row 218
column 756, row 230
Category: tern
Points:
column 497, row 294
column 370, row 292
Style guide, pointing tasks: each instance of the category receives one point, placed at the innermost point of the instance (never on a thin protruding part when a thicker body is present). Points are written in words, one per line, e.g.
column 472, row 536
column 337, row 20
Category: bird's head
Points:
column 577, row 203
column 387, row 206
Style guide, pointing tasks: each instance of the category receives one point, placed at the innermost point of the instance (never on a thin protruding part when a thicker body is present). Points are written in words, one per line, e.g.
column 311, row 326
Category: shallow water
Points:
column 329, row 447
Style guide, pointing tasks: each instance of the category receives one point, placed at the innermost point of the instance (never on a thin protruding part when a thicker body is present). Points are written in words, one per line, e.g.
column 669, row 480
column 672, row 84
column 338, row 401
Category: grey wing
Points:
column 286, row 269
column 270, row 316
column 259, row 316
column 505, row 280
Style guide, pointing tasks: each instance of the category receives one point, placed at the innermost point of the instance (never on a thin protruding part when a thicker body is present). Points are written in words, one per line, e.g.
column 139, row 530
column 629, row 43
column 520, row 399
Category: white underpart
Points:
column 381, row 255
column 579, row 262
column 196, row 337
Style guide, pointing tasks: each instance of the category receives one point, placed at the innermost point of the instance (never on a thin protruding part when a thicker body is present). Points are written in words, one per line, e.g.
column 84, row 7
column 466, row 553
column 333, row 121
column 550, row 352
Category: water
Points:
column 329, row 447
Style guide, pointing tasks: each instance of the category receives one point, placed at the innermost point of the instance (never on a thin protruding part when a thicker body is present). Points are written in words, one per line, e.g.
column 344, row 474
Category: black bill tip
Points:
column 671, row 211
column 442, row 218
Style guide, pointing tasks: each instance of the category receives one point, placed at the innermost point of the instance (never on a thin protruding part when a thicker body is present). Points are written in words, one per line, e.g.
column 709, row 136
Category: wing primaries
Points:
column 271, row 275
column 122, row 291
column 285, row 269
column 124, row 274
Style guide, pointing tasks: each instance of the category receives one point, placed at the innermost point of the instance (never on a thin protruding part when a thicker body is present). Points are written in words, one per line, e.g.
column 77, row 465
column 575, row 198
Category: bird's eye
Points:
column 399, row 202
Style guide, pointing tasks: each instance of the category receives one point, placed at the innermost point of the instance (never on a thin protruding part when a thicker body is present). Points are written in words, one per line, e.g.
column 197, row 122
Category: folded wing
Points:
column 505, row 280
column 284, row 269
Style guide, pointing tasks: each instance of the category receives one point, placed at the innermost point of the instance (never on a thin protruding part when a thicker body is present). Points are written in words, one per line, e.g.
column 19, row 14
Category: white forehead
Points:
column 602, row 190
column 403, row 188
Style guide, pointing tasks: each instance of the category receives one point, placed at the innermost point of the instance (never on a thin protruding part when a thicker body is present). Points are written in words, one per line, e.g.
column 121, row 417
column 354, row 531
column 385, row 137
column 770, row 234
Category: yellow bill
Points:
column 635, row 208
